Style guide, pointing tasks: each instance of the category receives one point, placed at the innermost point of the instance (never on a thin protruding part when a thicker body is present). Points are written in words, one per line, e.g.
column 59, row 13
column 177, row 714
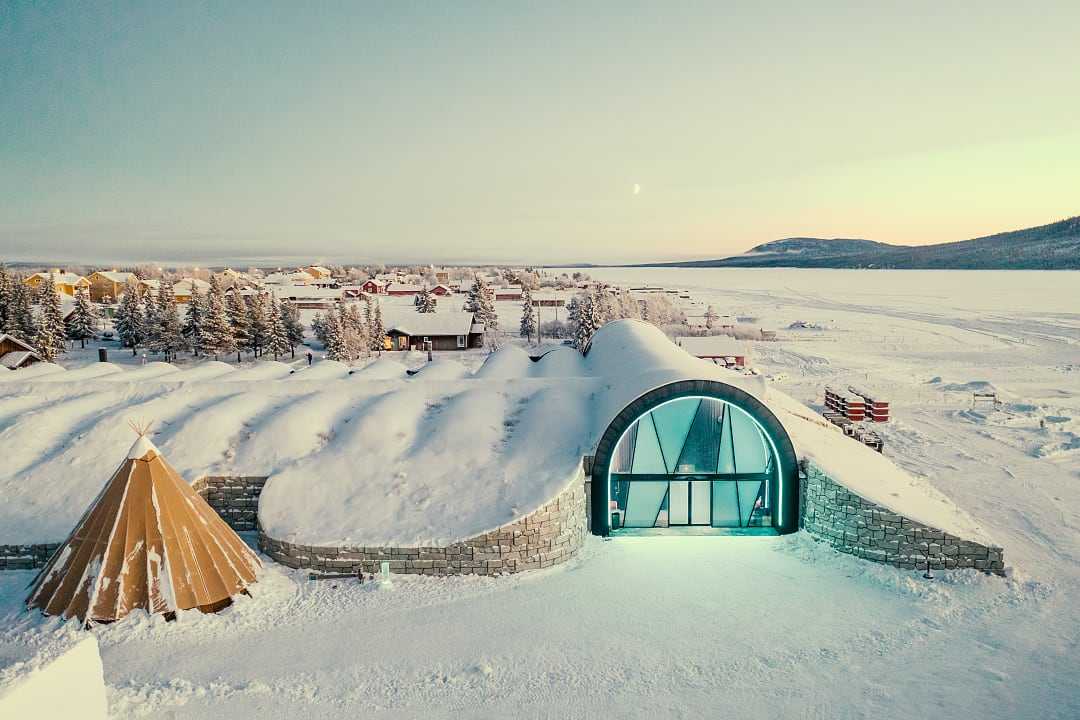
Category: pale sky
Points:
column 541, row 132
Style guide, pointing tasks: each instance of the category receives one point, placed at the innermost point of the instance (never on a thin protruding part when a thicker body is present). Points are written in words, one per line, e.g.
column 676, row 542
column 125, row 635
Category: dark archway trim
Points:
column 788, row 462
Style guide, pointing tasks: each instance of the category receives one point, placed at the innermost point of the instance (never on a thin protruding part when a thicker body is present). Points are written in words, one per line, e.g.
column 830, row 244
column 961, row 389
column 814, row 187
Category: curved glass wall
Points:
column 694, row 461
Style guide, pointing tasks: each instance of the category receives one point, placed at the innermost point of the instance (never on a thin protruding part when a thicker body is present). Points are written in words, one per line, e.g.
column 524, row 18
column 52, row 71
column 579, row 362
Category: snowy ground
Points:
column 717, row 627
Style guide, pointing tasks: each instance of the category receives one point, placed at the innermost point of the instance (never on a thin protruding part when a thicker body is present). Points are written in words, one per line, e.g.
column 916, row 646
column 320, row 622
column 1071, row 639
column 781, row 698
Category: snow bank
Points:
column 86, row 372
column 262, row 370
column 207, row 370
column 506, row 362
column 322, row 370
column 35, row 370
column 382, row 369
column 441, row 369
column 52, row 674
column 560, row 362
column 145, row 372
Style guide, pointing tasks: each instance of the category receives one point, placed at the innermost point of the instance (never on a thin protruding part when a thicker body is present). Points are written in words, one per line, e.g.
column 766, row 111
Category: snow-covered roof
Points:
column 16, row 358
column 379, row 457
column 114, row 276
column 60, row 278
column 403, row 288
column 417, row 324
column 187, row 285
column 712, row 346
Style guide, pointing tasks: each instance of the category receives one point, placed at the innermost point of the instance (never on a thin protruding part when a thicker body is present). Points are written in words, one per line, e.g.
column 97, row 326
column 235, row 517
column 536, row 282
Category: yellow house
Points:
column 67, row 283
column 317, row 271
column 108, row 283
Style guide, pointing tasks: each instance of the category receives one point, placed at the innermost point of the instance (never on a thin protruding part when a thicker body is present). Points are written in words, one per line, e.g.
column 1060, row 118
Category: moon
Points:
column 637, row 189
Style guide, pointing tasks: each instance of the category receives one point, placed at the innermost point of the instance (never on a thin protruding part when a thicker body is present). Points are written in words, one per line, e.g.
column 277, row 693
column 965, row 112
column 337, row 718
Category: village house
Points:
column 185, row 288
column 503, row 294
column 442, row 290
column 374, row 287
column 108, row 285
column 318, row 272
column 65, row 282
column 403, row 289
column 15, row 354
column 444, row 330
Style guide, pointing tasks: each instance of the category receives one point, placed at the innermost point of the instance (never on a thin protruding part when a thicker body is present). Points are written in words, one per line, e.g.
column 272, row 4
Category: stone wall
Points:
column 551, row 535
column 26, row 557
column 851, row 524
column 235, row 498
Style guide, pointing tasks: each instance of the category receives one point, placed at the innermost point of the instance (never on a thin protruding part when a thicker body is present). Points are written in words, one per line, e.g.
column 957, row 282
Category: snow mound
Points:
column 382, row 369
column 207, row 370
column 86, row 372
column 145, row 372
column 36, row 370
column 441, row 369
column 506, row 362
column 322, row 370
column 560, row 362
column 262, row 370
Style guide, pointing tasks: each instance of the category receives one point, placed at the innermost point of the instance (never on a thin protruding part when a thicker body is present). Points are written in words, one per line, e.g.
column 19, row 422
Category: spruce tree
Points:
column 336, row 344
column 589, row 318
column 130, row 320
column 168, row 338
column 21, row 310
column 194, row 322
column 425, row 301
column 318, row 328
column 528, row 315
column 151, row 316
column 376, row 329
column 49, row 340
column 237, row 311
column 6, row 325
column 279, row 342
column 483, row 302
column 258, row 324
column 218, row 336
column 290, row 316
column 82, row 322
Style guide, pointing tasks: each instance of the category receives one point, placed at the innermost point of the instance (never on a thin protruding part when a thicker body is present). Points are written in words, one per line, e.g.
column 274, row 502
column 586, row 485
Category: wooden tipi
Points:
column 147, row 542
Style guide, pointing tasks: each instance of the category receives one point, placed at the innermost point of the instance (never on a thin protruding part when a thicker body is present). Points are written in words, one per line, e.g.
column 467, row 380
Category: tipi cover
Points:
column 148, row 541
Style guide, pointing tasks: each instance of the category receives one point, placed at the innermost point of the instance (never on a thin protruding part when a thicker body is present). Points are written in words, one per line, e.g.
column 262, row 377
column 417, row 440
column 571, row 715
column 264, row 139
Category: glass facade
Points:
column 694, row 461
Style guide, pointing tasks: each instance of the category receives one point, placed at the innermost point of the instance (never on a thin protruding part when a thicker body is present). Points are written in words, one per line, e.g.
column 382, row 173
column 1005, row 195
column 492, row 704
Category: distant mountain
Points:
column 1048, row 247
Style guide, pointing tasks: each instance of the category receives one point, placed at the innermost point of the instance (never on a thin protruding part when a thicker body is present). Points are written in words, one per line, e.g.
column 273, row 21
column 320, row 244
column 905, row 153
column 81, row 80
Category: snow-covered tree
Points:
column 425, row 301
column 168, row 338
column 20, row 321
column 217, row 335
column 278, row 340
column 376, row 331
column 82, row 322
column 258, row 324
column 480, row 301
column 237, row 311
column 710, row 317
column 356, row 331
column 337, row 346
column 589, row 317
column 130, row 319
column 528, row 315
column 318, row 328
column 294, row 329
column 194, row 322
column 49, row 340
column 151, row 316
column 6, row 324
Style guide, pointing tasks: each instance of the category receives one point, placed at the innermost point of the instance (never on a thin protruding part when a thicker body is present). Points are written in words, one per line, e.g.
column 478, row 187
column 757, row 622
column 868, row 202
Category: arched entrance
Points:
column 696, row 457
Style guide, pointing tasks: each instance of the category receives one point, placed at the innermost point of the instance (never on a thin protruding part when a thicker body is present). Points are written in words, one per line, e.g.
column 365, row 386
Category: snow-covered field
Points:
column 715, row 627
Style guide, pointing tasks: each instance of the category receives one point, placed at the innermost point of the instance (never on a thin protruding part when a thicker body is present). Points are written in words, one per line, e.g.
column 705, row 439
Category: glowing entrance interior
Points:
column 694, row 462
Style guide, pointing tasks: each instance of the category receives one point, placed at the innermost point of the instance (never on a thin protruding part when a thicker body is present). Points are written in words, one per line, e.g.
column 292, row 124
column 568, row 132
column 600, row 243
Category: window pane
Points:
column 647, row 457
column 750, row 455
column 749, row 492
column 672, row 423
column 643, row 502
column 679, row 503
column 725, row 508
column 726, row 461
column 703, row 441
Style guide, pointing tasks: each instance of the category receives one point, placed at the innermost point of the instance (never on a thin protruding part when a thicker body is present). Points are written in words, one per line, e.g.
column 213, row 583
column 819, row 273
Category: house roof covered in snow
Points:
column 417, row 324
column 711, row 346
column 379, row 457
